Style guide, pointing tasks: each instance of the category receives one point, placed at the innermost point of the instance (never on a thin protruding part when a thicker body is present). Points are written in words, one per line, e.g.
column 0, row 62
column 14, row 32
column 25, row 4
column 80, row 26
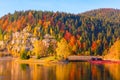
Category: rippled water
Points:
column 10, row 70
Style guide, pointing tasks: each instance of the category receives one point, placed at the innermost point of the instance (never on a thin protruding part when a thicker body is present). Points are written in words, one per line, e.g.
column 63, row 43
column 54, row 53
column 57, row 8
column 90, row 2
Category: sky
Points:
column 69, row 6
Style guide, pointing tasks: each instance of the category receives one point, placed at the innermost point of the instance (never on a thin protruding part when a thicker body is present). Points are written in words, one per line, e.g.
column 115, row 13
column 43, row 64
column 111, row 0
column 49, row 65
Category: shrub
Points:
column 24, row 54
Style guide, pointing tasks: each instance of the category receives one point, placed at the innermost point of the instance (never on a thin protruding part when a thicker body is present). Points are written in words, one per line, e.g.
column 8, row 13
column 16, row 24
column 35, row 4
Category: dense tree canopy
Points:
column 92, row 32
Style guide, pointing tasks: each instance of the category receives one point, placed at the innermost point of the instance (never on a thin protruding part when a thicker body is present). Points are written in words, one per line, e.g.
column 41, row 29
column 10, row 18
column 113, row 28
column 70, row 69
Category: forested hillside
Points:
column 89, row 33
column 107, row 14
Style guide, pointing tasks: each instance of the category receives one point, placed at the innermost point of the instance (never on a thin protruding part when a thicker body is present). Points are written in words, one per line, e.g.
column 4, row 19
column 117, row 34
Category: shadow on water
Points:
column 10, row 70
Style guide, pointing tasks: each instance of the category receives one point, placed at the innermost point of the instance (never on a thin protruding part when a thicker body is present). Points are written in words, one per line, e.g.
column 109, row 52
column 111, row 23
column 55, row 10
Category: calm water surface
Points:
column 10, row 70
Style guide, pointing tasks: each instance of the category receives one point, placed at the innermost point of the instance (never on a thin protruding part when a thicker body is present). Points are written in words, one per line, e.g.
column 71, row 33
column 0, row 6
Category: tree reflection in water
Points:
column 10, row 70
column 24, row 67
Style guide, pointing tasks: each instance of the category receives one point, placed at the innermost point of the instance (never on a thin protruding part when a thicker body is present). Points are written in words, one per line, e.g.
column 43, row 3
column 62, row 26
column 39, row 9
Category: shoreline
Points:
column 47, row 60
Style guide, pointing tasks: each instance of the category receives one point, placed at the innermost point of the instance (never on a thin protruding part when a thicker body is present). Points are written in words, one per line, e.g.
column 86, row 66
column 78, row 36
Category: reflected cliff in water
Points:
column 10, row 70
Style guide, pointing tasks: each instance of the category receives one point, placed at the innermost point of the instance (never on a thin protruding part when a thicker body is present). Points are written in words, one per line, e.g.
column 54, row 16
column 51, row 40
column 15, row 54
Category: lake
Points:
column 11, row 70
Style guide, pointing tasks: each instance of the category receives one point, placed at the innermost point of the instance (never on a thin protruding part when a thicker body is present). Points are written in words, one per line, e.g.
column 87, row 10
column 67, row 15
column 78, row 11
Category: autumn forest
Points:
column 29, row 33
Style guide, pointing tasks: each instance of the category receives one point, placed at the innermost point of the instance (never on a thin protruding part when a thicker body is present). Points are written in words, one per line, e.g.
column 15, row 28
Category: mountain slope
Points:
column 110, row 14
column 88, row 33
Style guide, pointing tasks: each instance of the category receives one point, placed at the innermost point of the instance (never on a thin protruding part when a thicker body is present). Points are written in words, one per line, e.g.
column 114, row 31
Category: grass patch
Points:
column 50, row 58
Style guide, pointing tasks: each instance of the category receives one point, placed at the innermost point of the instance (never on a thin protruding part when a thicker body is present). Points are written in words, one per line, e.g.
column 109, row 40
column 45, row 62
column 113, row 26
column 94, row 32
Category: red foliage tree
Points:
column 94, row 46
column 67, row 35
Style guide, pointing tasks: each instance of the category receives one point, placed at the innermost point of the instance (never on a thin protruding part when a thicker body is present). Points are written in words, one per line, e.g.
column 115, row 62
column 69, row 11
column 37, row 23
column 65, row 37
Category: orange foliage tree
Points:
column 67, row 35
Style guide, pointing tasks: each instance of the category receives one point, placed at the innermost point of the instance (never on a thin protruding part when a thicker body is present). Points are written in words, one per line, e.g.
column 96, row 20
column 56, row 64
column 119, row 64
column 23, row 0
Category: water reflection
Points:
column 114, row 70
column 24, row 67
column 10, row 70
column 5, row 70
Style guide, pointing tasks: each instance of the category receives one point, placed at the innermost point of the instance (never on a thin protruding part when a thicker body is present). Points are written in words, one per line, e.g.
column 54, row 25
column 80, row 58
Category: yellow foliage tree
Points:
column 74, row 48
column 63, row 49
column 35, row 31
column 39, row 48
column 114, row 52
